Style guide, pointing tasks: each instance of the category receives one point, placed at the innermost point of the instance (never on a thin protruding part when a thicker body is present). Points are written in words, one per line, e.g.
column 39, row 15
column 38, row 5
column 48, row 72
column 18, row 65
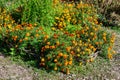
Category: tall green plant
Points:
column 40, row 11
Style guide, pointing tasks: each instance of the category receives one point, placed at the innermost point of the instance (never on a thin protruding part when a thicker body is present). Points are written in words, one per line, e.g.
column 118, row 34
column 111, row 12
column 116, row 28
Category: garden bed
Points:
column 54, row 35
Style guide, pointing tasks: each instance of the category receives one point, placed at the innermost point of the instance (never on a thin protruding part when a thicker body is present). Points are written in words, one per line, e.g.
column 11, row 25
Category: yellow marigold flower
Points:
column 26, row 38
column 70, row 58
column 47, row 46
column 73, row 42
column 91, row 59
column 104, row 38
column 28, row 28
column 9, row 26
column 113, row 52
column 35, row 24
column 27, row 34
column 91, row 33
column 80, row 41
column 88, row 40
column 80, row 44
column 42, row 59
column 55, row 68
column 83, row 52
column 57, row 43
column 53, row 28
column 85, row 44
column 70, row 62
column 57, row 18
column 95, row 29
column 78, row 55
column 112, row 41
column 48, row 43
column 80, row 63
column 78, row 49
column 101, row 43
column 104, row 34
column 67, row 71
column 110, row 56
column 87, row 28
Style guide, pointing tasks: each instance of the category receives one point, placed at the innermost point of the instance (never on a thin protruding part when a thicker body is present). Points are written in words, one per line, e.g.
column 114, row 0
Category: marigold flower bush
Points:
column 55, row 54
column 74, row 16
column 75, row 38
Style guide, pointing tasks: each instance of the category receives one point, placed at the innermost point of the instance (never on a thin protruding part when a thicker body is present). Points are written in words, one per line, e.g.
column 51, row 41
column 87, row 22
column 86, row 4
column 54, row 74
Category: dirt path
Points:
column 12, row 71
column 104, row 70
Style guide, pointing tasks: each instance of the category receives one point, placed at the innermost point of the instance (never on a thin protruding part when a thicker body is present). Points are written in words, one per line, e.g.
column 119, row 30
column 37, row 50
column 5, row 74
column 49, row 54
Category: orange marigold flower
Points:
column 66, row 63
column 72, row 52
column 48, row 43
column 42, row 64
column 96, row 43
column 82, row 31
column 52, row 47
column 48, row 58
column 68, row 48
column 55, row 60
column 20, row 40
column 15, row 38
column 30, row 25
column 65, row 56
column 46, row 37
column 60, row 54
column 55, row 36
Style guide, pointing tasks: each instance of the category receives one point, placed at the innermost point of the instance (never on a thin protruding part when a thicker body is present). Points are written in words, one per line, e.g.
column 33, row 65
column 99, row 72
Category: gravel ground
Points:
column 100, row 71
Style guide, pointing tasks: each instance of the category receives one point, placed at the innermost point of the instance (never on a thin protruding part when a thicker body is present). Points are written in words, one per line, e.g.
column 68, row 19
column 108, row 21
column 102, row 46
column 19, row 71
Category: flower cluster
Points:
column 75, row 37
